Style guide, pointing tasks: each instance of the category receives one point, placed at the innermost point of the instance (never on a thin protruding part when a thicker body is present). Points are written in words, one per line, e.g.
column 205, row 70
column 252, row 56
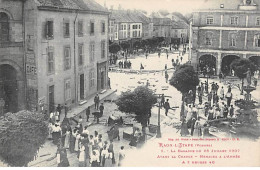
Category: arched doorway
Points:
column 9, row 88
column 256, row 61
column 225, row 65
column 207, row 60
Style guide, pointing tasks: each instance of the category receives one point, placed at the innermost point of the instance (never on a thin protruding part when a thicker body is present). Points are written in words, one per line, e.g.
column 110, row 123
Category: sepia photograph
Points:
column 129, row 83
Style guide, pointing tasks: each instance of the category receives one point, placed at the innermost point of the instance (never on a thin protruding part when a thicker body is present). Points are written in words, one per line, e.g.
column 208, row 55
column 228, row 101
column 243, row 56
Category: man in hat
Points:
column 96, row 101
column 101, row 109
column 166, row 107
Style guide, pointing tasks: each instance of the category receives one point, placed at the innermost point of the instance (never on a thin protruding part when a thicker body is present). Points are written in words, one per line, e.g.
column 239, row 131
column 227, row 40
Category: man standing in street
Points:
column 101, row 109
column 166, row 107
column 225, row 111
column 162, row 101
column 96, row 101
column 66, row 109
column 58, row 109
column 88, row 113
column 231, row 111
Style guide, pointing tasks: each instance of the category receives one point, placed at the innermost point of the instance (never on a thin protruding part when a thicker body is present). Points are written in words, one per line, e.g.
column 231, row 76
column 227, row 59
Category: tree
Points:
column 137, row 45
column 140, row 102
column 240, row 67
column 184, row 79
column 125, row 45
column 21, row 136
column 114, row 48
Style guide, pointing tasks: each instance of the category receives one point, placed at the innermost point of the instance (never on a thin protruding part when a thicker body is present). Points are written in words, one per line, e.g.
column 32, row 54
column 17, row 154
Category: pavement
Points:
column 119, row 82
column 123, row 81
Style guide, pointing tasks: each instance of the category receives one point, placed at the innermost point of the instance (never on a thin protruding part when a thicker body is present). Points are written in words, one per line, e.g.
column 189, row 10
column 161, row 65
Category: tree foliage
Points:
column 240, row 67
column 125, row 45
column 21, row 136
column 140, row 101
column 184, row 79
column 114, row 48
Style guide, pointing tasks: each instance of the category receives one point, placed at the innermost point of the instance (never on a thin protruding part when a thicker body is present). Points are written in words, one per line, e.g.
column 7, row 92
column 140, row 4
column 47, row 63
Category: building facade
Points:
column 126, row 25
column 61, row 52
column 224, row 32
column 179, row 31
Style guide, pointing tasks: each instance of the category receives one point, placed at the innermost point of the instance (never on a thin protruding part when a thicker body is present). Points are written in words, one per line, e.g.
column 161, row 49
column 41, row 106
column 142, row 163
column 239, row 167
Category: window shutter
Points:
column 64, row 57
column 44, row 29
column 50, row 29
column 64, row 29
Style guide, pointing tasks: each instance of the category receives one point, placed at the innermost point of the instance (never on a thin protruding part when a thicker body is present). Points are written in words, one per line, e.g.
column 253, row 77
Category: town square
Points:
column 87, row 83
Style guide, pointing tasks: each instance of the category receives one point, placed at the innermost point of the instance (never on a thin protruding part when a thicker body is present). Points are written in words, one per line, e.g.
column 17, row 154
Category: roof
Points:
column 84, row 5
column 228, row 4
column 179, row 25
column 127, row 16
column 156, row 15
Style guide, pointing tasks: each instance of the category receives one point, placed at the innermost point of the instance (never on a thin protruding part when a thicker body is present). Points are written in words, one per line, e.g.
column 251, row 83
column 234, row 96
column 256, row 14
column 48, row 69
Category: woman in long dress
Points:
column 184, row 128
column 72, row 140
column 201, row 110
column 67, row 139
column 197, row 129
column 94, row 159
column 50, row 130
column 82, row 162
column 211, row 114
column 90, row 146
column 77, row 142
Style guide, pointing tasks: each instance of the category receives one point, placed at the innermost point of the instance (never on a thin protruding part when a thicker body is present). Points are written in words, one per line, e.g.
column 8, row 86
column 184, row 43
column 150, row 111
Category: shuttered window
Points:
column 67, row 58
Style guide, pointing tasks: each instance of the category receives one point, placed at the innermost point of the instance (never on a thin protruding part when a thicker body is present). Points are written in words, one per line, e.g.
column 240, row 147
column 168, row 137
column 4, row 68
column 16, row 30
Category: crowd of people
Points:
column 125, row 64
column 90, row 148
column 213, row 103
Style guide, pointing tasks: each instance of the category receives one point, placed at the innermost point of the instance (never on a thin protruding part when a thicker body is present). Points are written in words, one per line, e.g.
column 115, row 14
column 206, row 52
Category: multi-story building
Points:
column 51, row 52
column 225, row 31
column 126, row 25
column 147, row 24
column 111, row 29
column 179, row 31
column 161, row 25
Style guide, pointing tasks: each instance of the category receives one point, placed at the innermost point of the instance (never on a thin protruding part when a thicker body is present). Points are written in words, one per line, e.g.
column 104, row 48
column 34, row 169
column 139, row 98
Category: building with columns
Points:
column 51, row 52
column 223, row 31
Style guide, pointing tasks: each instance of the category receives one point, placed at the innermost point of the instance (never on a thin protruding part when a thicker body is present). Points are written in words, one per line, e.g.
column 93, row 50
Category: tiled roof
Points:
column 85, row 5
column 120, row 16
column 228, row 4
column 143, row 17
column 179, row 25
column 126, row 16
column 156, row 15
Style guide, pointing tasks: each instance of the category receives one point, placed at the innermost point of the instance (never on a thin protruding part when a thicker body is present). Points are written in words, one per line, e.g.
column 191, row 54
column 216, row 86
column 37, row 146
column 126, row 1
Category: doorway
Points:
column 8, row 88
column 81, row 88
column 102, row 80
column 51, row 99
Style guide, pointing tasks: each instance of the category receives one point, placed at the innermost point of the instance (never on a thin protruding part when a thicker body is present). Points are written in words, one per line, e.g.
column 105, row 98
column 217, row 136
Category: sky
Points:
column 182, row 6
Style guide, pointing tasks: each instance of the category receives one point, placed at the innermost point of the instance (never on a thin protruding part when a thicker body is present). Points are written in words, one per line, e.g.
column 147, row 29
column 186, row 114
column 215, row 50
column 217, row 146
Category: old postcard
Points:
column 129, row 83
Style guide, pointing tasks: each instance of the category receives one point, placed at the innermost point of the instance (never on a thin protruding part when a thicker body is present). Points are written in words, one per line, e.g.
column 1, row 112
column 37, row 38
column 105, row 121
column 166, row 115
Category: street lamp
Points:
column 207, row 71
column 159, row 100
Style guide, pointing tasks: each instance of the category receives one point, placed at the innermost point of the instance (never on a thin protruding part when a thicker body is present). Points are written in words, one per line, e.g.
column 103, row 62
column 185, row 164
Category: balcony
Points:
column 10, row 44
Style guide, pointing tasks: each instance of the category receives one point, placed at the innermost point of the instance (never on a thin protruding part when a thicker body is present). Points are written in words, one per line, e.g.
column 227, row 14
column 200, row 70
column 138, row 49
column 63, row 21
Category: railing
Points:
column 10, row 44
